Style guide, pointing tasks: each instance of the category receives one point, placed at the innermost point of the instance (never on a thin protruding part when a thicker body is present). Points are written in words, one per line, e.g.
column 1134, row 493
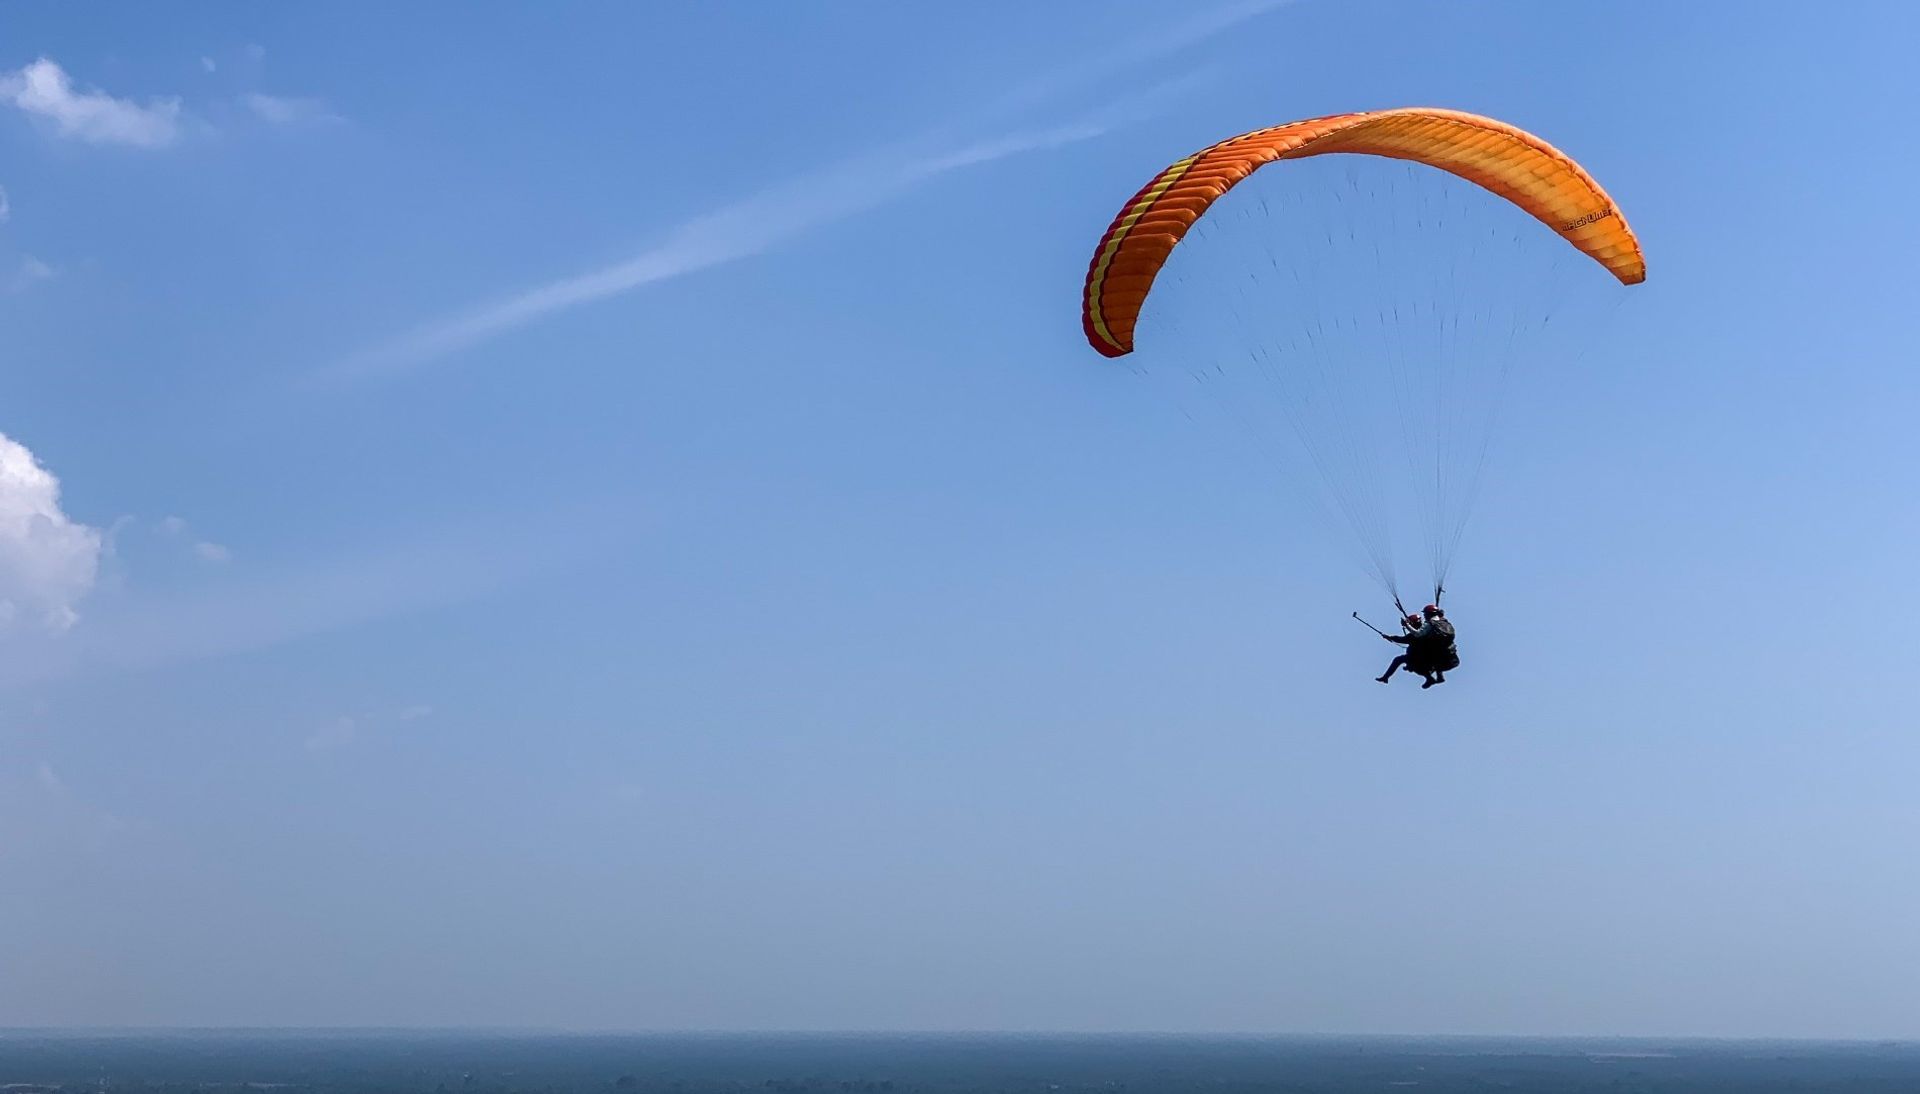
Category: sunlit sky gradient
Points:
column 604, row 517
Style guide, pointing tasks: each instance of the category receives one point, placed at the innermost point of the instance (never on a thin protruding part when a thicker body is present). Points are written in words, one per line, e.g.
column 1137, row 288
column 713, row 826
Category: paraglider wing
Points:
column 1506, row 161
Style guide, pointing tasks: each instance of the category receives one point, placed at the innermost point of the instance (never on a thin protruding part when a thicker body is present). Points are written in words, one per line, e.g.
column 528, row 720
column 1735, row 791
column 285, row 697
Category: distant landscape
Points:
column 226, row 1062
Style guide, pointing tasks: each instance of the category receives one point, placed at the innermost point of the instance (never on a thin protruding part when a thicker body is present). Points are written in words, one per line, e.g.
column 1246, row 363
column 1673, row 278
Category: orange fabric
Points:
column 1512, row 163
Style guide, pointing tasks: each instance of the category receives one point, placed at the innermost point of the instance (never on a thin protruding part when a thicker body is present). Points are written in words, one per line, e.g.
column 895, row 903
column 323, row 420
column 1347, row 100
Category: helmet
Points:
column 1432, row 609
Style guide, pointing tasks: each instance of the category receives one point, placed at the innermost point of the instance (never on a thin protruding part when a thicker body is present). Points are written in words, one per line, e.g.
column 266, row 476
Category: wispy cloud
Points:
column 749, row 227
column 338, row 733
column 57, row 822
column 43, row 90
column 6, row 209
column 779, row 213
column 1144, row 49
column 29, row 272
column 263, row 606
column 176, row 528
column 349, row 728
column 282, row 110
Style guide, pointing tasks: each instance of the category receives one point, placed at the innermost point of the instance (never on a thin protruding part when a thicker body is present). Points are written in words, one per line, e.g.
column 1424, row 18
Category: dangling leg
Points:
column 1394, row 666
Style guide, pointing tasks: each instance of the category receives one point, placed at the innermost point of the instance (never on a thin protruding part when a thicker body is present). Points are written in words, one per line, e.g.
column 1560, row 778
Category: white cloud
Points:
column 6, row 209
column 48, row 563
column 44, row 90
column 45, row 776
column 206, row 63
column 278, row 110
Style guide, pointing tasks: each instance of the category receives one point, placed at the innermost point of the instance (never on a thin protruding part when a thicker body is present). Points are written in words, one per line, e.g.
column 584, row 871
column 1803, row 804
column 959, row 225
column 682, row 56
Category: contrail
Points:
column 775, row 215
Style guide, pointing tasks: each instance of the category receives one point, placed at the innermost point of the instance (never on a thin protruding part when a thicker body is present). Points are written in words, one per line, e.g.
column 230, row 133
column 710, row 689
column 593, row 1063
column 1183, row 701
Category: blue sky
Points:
column 608, row 520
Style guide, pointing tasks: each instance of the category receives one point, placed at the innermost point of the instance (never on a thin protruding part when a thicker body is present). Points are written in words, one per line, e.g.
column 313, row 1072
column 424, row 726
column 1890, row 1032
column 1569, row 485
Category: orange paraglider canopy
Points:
column 1509, row 162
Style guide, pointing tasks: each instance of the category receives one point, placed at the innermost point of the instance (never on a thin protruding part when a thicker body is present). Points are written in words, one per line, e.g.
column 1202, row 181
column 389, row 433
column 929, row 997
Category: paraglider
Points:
column 1510, row 162
column 1430, row 650
column 1377, row 292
